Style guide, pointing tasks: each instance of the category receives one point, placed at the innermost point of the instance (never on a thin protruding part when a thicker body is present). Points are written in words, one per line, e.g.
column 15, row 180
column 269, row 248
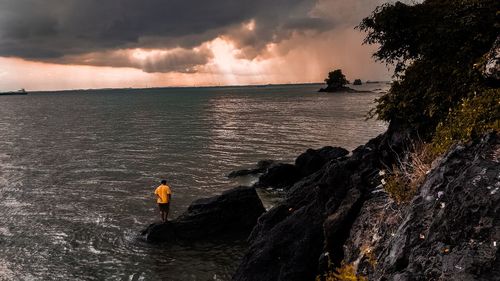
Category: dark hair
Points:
column 163, row 182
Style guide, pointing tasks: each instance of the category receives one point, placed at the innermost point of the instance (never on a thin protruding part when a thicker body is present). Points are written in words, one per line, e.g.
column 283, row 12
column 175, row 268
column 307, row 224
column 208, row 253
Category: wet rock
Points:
column 289, row 239
column 279, row 176
column 158, row 232
column 312, row 160
column 232, row 214
column 261, row 167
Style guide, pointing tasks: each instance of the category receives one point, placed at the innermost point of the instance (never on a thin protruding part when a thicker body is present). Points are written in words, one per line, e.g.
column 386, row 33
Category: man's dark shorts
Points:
column 164, row 207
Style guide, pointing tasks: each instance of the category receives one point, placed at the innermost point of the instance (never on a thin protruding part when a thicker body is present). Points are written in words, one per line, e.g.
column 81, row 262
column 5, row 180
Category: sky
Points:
column 82, row 44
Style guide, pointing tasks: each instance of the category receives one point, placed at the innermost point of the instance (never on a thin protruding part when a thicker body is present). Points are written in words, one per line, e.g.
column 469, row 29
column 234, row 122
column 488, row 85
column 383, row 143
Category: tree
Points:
column 336, row 81
column 434, row 46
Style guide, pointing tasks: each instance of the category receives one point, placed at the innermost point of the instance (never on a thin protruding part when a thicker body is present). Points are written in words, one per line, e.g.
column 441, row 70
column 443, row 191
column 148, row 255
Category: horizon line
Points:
column 182, row 87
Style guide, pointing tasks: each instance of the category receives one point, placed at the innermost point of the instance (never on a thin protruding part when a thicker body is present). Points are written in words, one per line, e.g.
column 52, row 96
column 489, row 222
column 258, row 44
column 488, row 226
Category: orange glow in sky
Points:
column 281, row 64
column 58, row 45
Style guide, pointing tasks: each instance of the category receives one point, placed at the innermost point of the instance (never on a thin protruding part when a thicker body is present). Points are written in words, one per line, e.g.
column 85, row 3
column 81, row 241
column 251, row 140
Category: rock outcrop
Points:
column 260, row 168
column 312, row 160
column 450, row 231
column 289, row 239
column 232, row 214
column 491, row 69
column 279, row 176
column 283, row 175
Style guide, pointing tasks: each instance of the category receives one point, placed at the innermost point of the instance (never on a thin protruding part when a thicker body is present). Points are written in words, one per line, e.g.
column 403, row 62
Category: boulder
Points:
column 312, row 160
column 158, row 232
column 279, row 176
column 450, row 230
column 261, row 167
column 232, row 214
column 289, row 239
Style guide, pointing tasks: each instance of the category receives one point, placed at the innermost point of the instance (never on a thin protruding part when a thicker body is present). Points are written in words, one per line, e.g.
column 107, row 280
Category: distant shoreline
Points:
column 189, row 87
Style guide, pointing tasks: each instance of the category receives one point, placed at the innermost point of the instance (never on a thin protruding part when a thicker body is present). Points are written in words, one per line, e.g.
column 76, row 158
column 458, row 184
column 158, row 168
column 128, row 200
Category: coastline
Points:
column 337, row 214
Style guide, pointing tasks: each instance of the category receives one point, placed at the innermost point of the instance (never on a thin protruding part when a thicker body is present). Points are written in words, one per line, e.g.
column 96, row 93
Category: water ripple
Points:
column 77, row 171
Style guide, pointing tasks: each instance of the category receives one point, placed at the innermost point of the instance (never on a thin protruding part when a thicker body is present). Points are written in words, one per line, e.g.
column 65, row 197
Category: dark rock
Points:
column 265, row 164
column 244, row 172
column 279, row 176
column 158, row 232
column 491, row 68
column 232, row 214
column 337, row 225
column 357, row 82
column 289, row 239
column 261, row 167
column 312, row 160
column 449, row 230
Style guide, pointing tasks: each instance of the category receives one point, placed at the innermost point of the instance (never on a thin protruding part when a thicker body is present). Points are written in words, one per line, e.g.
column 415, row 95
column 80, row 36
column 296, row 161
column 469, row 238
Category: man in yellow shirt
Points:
column 164, row 196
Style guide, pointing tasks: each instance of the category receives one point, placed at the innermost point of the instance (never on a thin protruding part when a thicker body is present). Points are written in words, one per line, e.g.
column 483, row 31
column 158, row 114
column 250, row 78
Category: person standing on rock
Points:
column 163, row 195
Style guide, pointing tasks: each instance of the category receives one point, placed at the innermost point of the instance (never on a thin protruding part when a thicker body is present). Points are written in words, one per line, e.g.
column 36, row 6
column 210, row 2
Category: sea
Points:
column 78, row 170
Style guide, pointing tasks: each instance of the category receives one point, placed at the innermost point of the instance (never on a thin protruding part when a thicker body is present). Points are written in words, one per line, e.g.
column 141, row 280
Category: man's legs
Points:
column 165, row 212
column 161, row 212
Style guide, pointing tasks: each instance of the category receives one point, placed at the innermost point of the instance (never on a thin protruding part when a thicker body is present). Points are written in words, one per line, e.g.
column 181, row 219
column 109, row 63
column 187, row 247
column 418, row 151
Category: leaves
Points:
column 433, row 46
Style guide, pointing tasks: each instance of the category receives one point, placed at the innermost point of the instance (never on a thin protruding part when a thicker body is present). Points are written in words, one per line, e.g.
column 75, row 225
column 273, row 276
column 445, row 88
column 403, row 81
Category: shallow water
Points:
column 77, row 170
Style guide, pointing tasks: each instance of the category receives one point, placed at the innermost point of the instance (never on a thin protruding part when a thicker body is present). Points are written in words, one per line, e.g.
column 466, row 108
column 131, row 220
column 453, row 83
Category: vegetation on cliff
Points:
column 440, row 96
column 436, row 47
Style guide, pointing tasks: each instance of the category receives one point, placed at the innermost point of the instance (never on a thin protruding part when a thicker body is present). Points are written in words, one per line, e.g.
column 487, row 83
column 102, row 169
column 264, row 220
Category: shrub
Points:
column 408, row 173
column 346, row 272
column 433, row 46
column 473, row 117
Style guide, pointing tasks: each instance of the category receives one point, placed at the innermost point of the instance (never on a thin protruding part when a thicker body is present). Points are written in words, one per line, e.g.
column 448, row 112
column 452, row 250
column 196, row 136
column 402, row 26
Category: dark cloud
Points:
column 87, row 31
column 50, row 28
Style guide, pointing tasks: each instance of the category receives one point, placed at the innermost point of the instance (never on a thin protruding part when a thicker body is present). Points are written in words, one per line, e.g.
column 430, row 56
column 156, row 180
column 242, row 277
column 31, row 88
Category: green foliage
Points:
column 437, row 30
column 474, row 116
column 421, row 102
column 433, row 46
column 336, row 80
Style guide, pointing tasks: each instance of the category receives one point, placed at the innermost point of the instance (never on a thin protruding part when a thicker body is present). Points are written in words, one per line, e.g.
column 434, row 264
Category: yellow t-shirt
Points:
column 163, row 191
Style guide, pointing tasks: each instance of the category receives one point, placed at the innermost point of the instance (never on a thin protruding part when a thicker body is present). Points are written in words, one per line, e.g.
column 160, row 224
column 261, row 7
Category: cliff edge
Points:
column 341, row 215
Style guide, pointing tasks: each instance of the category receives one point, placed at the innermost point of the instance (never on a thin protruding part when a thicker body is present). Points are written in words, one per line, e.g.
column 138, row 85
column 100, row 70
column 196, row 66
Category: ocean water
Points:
column 77, row 170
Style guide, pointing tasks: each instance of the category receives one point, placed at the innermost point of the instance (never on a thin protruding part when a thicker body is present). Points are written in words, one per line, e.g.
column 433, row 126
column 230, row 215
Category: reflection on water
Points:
column 77, row 171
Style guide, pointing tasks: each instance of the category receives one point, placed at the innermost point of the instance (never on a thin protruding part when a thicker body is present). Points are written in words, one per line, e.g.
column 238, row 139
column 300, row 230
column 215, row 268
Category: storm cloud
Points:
column 97, row 32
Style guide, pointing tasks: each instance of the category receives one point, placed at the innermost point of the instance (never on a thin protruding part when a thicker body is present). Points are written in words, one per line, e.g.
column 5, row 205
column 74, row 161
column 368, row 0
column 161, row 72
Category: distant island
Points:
column 336, row 82
column 20, row 92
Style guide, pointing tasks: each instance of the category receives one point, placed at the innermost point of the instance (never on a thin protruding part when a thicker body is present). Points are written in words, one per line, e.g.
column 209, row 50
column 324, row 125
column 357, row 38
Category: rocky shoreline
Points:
column 336, row 212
